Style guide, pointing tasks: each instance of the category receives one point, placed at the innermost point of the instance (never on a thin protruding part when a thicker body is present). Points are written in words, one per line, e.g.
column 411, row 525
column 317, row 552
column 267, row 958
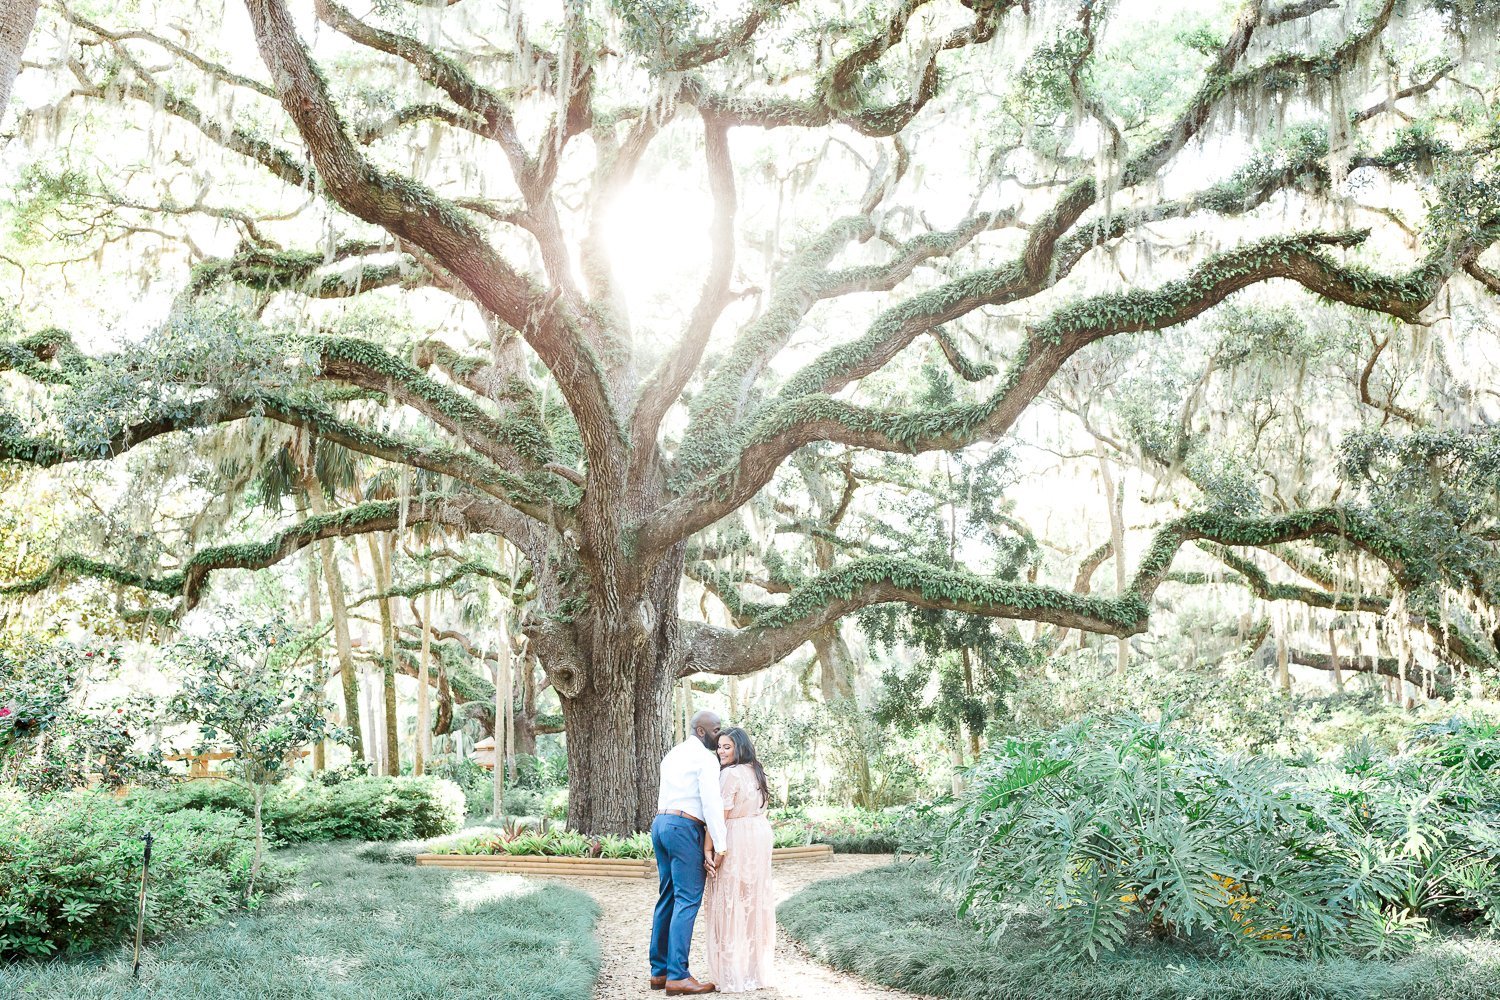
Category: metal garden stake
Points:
column 140, row 917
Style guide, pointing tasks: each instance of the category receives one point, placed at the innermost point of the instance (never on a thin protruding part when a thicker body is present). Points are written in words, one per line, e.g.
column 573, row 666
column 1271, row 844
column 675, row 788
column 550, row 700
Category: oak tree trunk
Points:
column 618, row 730
column 16, row 20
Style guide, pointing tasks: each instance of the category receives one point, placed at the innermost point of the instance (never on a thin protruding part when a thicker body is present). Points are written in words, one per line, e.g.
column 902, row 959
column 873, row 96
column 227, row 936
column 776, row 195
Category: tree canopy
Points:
column 764, row 301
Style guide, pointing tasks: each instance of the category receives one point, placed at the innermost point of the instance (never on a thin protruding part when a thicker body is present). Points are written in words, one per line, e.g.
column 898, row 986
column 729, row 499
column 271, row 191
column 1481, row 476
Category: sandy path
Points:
column 625, row 932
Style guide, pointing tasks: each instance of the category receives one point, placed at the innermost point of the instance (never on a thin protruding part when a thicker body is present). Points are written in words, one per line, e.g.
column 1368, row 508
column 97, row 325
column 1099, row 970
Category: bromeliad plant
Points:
column 1108, row 831
column 521, row 841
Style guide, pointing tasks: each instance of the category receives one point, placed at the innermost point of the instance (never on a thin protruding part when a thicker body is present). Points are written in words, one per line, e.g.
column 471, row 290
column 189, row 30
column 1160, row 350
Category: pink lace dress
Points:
column 738, row 904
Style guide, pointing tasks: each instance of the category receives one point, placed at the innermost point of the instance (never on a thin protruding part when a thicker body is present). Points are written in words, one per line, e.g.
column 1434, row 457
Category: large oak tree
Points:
column 957, row 173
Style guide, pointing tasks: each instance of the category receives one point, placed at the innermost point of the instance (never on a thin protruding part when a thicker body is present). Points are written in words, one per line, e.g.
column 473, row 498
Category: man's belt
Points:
column 679, row 812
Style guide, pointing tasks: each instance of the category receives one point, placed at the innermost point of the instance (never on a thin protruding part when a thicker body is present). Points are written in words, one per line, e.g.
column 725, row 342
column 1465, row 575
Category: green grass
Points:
column 891, row 926
column 353, row 930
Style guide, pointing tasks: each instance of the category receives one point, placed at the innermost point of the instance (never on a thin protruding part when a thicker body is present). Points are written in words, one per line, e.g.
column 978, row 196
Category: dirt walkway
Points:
column 625, row 932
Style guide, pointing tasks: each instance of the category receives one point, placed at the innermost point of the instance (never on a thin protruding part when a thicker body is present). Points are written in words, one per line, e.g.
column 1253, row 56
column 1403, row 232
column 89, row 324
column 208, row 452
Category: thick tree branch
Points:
column 665, row 383
column 190, row 581
column 414, row 213
column 811, row 608
column 532, row 497
column 707, row 50
column 794, row 422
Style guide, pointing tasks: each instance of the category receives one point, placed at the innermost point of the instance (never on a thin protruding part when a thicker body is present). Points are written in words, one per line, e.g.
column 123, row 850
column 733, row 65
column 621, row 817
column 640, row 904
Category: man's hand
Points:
column 716, row 862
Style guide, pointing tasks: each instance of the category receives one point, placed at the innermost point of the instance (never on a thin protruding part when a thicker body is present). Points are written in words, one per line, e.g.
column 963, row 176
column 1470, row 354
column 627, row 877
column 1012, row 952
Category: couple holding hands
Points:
column 713, row 851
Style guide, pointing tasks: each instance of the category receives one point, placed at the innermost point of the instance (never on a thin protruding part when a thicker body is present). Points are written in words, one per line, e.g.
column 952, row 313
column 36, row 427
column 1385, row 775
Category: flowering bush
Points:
column 50, row 741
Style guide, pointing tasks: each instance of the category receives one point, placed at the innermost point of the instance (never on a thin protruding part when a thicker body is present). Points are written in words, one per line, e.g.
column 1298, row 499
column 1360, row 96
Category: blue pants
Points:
column 679, row 868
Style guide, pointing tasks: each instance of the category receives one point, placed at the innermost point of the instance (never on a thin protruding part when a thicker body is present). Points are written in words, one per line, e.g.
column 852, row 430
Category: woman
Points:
column 738, row 904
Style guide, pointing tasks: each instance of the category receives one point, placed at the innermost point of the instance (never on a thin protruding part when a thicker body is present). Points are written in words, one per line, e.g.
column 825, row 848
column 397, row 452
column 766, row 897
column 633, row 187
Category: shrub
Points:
column 355, row 809
column 1107, row 830
column 71, row 869
column 540, row 774
column 850, row 830
column 895, row 926
column 477, row 783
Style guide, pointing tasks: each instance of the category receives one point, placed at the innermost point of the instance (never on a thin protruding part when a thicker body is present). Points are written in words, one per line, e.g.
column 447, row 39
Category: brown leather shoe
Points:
column 688, row 987
column 658, row 982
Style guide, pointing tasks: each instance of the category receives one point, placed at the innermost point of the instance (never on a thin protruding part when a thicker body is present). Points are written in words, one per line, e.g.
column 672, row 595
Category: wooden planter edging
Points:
column 525, row 864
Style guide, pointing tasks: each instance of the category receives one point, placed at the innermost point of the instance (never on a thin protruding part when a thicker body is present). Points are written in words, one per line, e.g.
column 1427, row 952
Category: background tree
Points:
column 978, row 176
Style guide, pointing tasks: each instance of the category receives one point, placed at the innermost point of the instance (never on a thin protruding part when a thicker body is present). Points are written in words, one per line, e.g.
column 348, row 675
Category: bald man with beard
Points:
column 688, row 810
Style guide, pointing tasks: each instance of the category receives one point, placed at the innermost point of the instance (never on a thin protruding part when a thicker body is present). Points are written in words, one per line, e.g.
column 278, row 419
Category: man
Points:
column 687, row 807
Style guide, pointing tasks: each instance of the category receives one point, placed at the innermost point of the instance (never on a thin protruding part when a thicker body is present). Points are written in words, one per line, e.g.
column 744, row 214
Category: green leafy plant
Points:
column 243, row 690
column 360, row 808
column 50, row 740
column 71, row 868
column 1114, row 830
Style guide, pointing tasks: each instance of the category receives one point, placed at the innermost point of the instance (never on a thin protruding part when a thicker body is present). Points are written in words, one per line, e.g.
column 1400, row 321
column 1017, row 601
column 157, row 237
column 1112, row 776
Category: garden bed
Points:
column 530, row 864
column 895, row 927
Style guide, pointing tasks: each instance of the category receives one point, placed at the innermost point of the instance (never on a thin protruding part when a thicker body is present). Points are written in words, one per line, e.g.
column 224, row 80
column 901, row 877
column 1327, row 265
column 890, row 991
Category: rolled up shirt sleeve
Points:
column 713, row 802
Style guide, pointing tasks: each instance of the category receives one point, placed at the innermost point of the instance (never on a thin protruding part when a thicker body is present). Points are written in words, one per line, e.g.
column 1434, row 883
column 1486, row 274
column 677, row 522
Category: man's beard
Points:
column 710, row 741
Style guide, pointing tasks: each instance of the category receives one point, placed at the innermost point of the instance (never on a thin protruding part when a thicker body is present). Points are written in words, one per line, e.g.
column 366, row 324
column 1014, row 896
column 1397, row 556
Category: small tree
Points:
column 245, row 690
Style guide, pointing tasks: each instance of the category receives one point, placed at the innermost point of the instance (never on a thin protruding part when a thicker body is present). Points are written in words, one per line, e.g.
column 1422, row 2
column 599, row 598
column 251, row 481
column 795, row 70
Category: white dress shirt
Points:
column 690, row 784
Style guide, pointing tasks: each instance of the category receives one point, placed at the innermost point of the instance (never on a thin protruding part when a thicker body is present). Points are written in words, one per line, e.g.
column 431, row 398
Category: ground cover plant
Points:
column 897, row 927
column 351, row 930
column 70, row 869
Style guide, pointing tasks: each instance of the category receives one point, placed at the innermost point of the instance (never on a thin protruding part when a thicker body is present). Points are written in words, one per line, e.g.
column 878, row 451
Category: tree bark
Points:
column 348, row 678
column 424, row 708
column 836, row 665
column 1117, row 541
column 380, row 555
column 526, row 717
column 16, row 22
column 315, row 616
column 618, row 714
column 1333, row 660
column 1283, row 671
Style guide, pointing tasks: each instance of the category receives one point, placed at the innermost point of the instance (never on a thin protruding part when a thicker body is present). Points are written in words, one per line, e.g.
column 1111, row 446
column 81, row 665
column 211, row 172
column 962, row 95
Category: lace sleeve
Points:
column 729, row 789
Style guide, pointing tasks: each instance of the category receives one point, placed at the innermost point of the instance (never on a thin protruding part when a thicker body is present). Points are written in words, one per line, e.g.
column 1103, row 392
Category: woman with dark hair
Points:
column 738, row 904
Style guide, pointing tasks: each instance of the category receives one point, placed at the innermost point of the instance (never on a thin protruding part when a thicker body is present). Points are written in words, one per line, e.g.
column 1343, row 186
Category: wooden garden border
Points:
column 525, row 864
